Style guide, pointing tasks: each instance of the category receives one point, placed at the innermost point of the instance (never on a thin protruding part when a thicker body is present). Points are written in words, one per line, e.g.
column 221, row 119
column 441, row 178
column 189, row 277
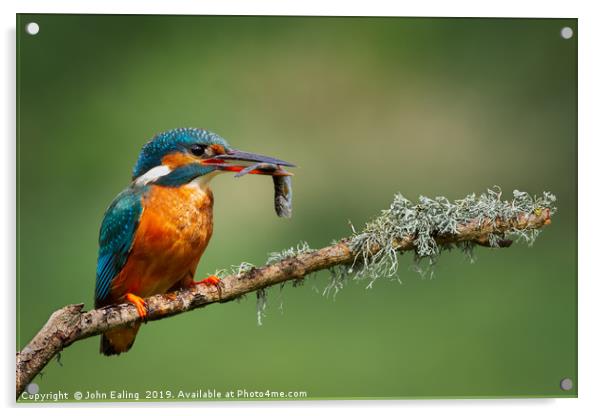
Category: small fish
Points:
column 283, row 196
column 283, row 187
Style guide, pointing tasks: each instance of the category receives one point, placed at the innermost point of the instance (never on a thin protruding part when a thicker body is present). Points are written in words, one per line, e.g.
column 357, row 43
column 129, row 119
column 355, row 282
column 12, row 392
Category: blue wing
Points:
column 116, row 237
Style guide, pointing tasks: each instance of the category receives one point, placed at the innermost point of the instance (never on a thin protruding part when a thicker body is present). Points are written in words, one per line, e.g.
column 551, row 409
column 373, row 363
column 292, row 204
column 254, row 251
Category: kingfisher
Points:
column 155, row 231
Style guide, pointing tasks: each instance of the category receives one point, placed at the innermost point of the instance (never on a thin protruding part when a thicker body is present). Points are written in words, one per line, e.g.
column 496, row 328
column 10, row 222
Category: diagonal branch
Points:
column 72, row 323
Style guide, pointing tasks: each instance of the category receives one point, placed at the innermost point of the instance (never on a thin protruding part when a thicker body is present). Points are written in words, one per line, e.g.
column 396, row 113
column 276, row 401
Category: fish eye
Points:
column 198, row 149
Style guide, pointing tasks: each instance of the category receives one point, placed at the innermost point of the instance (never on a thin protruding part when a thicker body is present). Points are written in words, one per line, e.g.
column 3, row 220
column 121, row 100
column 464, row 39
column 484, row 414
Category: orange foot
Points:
column 139, row 303
column 212, row 280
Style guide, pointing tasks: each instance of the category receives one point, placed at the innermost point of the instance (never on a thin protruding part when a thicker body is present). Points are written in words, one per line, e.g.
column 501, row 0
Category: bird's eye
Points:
column 198, row 149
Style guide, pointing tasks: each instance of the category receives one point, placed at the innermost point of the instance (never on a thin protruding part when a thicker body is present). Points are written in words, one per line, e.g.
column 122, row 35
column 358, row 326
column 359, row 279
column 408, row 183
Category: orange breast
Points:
column 175, row 227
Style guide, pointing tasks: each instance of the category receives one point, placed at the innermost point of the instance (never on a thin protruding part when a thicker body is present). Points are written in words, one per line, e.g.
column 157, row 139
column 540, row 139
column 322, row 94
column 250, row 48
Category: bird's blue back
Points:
column 116, row 237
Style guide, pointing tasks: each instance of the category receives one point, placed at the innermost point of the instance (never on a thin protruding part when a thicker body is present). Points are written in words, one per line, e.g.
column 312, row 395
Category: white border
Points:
column 590, row 70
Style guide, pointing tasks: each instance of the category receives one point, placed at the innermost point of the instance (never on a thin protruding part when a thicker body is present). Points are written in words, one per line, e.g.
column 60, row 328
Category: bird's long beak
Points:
column 249, row 163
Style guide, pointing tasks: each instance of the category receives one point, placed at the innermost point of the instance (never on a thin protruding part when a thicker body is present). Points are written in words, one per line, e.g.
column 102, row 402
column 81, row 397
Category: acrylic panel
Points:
column 366, row 108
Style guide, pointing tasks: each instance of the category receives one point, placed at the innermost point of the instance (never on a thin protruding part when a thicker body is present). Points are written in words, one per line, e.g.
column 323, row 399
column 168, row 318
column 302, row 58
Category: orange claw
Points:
column 212, row 280
column 139, row 303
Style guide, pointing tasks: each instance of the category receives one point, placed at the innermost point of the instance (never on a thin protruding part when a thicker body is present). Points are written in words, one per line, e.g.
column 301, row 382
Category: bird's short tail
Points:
column 116, row 341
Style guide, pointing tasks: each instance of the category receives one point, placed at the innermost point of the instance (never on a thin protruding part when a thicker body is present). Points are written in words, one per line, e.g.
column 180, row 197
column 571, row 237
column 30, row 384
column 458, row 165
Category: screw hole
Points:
column 32, row 28
column 566, row 384
column 32, row 388
column 566, row 32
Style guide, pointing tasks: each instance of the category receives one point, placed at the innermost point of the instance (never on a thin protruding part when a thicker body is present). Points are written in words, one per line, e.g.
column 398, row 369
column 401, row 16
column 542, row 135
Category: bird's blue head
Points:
column 179, row 156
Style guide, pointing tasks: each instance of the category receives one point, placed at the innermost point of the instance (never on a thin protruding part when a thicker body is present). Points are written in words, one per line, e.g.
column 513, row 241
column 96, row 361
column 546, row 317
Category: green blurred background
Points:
column 366, row 107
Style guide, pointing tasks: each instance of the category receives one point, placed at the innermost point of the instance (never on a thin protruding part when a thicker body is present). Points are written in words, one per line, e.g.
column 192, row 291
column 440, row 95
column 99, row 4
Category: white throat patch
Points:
column 152, row 175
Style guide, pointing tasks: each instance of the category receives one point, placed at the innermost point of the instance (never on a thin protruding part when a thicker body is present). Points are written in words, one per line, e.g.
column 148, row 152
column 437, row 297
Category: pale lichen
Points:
column 262, row 303
column 273, row 257
column 422, row 222
column 431, row 217
column 235, row 269
column 301, row 248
